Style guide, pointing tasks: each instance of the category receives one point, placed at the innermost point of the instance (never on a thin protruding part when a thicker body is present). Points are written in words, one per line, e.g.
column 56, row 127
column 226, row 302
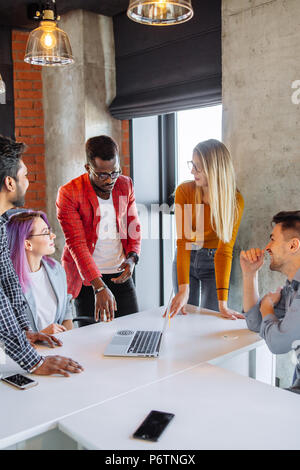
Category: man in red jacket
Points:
column 98, row 216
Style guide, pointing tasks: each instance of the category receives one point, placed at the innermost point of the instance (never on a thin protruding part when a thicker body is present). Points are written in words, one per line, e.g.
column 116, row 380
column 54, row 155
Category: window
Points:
column 194, row 126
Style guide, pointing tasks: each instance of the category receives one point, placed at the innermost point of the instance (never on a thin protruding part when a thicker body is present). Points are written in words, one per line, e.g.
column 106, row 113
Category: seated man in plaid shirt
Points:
column 14, row 325
column 99, row 218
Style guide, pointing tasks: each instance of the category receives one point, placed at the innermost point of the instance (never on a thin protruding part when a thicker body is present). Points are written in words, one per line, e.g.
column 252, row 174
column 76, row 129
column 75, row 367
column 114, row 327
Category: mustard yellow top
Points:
column 186, row 196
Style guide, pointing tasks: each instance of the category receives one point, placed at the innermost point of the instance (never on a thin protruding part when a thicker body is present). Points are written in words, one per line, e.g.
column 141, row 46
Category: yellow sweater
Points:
column 186, row 194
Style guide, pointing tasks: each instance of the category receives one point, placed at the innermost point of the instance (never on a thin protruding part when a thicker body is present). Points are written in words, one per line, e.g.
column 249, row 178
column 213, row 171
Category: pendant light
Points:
column 160, row 12
column 48, row 45
column 2, row 101
column 2, row 85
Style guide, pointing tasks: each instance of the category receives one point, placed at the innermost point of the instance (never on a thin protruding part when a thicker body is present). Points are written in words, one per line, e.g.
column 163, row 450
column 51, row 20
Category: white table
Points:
column 190, row 341
column 214, row 409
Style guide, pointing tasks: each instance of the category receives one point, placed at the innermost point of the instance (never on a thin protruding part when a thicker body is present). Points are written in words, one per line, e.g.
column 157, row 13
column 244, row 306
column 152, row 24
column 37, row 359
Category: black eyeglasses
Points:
column 191, row 165
column 48, row 233
column 104, row 176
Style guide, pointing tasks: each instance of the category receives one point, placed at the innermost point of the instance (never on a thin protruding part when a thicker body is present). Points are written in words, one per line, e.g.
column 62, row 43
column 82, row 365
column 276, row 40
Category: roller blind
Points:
column 167, row 69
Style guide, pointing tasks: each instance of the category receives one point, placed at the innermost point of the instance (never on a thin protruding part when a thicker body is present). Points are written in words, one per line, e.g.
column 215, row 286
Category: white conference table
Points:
column 214, row 409
column 191, row 340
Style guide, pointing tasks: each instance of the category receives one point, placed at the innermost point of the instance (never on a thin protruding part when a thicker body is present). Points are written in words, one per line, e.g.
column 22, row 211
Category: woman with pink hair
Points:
column 43, row 280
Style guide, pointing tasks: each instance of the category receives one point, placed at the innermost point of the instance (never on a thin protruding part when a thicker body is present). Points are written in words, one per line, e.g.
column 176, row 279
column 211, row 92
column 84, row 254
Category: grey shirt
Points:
column 282, row 329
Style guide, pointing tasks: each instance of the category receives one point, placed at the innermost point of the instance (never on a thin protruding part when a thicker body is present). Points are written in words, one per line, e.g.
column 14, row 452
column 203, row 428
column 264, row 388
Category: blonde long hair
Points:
column 218, row 168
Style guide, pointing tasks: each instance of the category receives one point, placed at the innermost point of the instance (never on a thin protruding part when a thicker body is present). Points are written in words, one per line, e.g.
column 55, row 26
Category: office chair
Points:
column 84, row 321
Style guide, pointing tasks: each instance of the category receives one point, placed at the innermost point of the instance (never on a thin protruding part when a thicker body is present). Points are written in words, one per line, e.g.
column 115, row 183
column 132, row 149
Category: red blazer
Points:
column 79, row 215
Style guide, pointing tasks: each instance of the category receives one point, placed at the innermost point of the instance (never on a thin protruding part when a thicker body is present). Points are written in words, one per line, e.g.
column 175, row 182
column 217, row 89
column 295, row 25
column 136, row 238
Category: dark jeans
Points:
column 125, row 295
column 202, row 279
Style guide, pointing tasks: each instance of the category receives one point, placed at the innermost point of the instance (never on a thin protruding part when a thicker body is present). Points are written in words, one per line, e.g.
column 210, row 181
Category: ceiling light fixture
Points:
column 48, row 45
column 160, row 12
column 2, row 85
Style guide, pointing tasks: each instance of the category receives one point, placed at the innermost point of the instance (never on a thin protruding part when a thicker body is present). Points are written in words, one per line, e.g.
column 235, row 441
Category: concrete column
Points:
column 261, row 57
column 76, row 100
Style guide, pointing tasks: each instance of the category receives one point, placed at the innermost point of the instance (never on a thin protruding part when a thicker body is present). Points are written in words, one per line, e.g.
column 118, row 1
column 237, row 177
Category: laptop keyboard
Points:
column 144, row 342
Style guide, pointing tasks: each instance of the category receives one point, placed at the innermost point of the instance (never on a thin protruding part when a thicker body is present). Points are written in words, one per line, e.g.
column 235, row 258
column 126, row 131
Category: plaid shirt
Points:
column 13, row 319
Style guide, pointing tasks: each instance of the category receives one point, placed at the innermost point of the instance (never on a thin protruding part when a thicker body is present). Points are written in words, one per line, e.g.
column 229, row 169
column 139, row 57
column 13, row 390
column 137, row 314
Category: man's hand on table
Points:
column 58, row 365
column 105, row 304
column 40, row 337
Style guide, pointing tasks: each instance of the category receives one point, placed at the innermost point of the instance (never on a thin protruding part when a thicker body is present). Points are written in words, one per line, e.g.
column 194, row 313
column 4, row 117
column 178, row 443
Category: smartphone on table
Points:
column 20, row 381
column 153, row 426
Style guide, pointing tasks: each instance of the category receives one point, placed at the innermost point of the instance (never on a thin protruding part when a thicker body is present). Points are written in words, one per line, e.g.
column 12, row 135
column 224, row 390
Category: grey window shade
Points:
column 7, row 119
column 167, row 69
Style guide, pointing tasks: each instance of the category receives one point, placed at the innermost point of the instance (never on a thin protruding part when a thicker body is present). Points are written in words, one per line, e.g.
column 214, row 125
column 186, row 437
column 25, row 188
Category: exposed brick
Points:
column 18, row 56
column 22, row 66
column 31, row 131
column 19, row 46
column 22, row 85
column 39, row 140
column 35, row 204
column 41, row 195
column 37, row 85
column 30, row 75
column 36, row 113
column 125, row 148
column 19, row 36
column 29, row 159
column 27, row 122
column 125, row 135
column 38, row 186
column 126, row 171
column 23, row 104
column 29, row 94
column 126, row 161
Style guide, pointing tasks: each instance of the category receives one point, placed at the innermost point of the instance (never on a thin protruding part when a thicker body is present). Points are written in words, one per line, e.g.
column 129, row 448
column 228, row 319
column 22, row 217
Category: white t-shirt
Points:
column 45, row 298
column 109, row 253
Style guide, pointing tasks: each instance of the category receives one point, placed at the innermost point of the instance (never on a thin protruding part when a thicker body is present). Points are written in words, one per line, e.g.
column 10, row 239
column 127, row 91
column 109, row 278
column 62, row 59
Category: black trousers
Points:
column 125, row 295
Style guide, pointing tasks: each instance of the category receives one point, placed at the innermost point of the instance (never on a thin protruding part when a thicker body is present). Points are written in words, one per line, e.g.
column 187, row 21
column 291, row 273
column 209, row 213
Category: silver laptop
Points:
column 135, row 343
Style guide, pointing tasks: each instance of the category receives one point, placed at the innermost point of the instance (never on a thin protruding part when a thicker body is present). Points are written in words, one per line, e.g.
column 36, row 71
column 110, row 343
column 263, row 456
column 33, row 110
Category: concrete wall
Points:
column 261, row 56
column 75, row 102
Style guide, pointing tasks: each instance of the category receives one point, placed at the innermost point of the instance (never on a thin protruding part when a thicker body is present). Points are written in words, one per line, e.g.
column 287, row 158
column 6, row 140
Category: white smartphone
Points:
column 20, row 381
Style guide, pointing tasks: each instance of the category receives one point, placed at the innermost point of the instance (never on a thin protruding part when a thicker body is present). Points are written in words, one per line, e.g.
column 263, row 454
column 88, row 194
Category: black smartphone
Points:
column 20, row 381
column 153, row 426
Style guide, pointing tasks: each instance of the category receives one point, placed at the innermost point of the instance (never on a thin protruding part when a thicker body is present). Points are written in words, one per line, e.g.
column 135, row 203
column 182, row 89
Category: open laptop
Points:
column 133, row 343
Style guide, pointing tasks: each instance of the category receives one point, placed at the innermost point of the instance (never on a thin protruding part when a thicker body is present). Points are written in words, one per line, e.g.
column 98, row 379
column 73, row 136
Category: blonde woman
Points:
column 208, row 214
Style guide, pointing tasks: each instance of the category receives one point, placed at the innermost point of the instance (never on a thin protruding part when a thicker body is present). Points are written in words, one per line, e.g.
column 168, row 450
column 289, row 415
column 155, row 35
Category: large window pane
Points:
column 194, row 126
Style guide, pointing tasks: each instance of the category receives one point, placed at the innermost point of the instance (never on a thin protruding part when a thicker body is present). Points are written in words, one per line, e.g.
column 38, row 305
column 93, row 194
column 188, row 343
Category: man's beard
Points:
column 275, row 266
column 20, row 199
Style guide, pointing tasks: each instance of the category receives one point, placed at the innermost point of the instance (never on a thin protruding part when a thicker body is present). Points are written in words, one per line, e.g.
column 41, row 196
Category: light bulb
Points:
column 2, row 86
column 48, row 40
column 159, row 10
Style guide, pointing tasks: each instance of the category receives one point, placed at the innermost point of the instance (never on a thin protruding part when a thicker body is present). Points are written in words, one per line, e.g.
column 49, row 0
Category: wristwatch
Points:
column 34, row 368
column 96, row 291
column 134, row 255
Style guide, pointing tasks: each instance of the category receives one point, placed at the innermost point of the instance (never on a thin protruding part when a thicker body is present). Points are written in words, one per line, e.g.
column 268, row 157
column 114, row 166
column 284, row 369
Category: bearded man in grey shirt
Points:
column 276, row 317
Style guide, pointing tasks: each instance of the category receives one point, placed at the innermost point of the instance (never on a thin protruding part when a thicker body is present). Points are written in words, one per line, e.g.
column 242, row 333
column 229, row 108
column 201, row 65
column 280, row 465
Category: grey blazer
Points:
column 58, row 281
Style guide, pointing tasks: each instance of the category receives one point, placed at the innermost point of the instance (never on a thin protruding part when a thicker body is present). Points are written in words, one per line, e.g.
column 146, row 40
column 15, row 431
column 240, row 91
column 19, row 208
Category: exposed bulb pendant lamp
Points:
column 48, row 45
column 160, row 12
column 2, row 85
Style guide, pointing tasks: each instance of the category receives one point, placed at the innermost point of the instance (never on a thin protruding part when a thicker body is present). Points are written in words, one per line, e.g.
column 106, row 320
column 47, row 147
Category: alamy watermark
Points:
column 296, row 94
column 143, row 221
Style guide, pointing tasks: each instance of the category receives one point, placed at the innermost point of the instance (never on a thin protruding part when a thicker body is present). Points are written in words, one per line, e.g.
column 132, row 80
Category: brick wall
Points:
column 125, row 152
column 29, row 120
